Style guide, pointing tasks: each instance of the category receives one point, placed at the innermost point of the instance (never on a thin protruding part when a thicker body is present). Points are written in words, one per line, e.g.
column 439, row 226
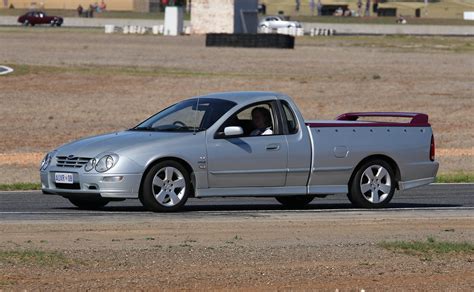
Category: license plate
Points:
column 63, row 178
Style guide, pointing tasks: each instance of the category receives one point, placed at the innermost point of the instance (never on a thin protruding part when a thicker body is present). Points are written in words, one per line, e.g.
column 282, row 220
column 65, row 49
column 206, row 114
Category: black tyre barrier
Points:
column 279, row 41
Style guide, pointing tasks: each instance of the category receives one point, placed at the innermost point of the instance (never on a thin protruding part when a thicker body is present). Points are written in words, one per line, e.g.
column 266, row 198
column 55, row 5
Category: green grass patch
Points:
column 22, row 69
column 50, row 30
column 403, row 43
column 20, row 187
column 73, row 13
column 457, row 177
column 7, row 282
column 429, row 247
column 31, row 256
column 18, row 70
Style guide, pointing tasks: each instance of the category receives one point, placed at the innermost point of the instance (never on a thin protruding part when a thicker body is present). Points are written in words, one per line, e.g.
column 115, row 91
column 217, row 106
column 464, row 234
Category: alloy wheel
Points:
column 375, row 184
column 168, row 186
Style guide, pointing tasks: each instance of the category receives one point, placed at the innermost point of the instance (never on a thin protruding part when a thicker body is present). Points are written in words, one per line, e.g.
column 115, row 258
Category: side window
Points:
column 256, row 120
column 289, row 118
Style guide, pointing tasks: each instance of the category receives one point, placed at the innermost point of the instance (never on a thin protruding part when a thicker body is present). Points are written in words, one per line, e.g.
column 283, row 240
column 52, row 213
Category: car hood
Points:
column 112, row 143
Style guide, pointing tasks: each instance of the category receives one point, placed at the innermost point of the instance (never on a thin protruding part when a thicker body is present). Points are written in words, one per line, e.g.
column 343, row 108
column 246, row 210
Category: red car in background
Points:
column 39, row 17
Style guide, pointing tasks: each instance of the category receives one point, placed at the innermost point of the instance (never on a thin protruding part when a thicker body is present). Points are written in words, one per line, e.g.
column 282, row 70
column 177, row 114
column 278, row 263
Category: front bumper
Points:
column 107, row 185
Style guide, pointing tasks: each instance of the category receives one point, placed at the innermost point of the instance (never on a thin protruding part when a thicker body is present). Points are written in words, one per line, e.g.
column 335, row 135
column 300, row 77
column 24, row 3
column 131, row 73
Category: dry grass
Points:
column 70, row 85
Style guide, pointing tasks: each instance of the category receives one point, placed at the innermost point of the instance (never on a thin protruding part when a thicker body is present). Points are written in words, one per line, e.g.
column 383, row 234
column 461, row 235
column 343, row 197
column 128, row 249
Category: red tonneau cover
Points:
column 417, row 120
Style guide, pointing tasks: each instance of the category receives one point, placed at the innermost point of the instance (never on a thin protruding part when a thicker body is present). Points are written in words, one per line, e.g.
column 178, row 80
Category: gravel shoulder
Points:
column 286, row 250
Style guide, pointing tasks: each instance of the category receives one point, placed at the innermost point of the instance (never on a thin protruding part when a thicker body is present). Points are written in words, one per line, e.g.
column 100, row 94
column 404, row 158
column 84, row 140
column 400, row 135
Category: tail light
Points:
column 432, row 149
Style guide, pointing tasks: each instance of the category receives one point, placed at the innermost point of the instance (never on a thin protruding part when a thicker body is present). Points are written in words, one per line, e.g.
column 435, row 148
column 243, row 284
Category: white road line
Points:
column 241, row 211
column 444, row 184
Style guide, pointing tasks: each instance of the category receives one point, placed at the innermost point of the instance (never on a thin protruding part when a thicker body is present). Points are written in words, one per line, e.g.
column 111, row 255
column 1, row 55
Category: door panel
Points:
column 257, row 161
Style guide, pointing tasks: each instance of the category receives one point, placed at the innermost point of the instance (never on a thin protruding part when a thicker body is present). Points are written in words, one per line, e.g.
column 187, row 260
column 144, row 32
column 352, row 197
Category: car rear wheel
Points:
column 53, row 22
column 166, row 187
column 89, row 203
column 373, row 185
column 294, row 201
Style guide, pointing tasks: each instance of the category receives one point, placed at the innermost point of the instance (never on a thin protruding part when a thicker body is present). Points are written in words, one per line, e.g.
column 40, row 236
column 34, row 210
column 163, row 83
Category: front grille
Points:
column 72, row 162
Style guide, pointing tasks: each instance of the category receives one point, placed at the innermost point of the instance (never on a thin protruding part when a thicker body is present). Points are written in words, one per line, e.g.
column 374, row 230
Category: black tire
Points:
column 350, row 198
column 89, row 203
column 294, row 201
column 149, row 189
column 26, row 23
column 373, row 197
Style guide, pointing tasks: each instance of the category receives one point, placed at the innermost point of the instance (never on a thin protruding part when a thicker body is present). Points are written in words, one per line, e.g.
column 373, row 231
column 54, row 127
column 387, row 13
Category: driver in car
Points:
column 262, row 121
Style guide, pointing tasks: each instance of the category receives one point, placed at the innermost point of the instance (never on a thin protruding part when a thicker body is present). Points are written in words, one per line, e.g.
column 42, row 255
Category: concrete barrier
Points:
column 395, row 29
column 468, row 15
column 109, row 28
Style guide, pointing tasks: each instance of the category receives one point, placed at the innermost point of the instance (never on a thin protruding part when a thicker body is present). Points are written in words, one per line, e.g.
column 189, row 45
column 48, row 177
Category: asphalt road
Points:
column 34, row 205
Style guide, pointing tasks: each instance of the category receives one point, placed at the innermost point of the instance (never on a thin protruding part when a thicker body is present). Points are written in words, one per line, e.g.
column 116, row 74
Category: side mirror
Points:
column 233, row 131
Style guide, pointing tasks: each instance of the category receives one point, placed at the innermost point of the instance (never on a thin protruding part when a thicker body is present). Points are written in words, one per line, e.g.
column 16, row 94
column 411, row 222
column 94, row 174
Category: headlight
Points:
column 45, row 162
column 90, row 165
column 105, row 163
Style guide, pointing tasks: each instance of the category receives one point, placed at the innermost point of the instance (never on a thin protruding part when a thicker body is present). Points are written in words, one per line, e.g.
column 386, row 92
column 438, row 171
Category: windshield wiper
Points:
column 142, row 129
column 176, row 129
column 181, row 129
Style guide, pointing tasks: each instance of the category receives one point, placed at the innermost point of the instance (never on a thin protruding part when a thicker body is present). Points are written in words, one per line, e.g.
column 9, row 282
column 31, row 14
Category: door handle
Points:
column 273, row 147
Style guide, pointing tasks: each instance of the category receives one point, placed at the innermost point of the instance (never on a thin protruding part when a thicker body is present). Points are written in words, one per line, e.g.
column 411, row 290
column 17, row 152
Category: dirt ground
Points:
column 72, row 84
column 259, row 251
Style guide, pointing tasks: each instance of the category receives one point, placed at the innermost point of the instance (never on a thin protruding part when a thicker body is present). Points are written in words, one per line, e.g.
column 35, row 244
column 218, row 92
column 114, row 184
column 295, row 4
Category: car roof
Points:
column 241, row 96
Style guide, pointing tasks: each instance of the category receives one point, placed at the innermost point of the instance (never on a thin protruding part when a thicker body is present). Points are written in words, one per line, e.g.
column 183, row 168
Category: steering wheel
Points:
column 180, row 124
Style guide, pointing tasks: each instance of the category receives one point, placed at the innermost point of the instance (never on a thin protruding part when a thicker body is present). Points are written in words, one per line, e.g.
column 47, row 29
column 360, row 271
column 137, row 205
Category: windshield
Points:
column 187, row 116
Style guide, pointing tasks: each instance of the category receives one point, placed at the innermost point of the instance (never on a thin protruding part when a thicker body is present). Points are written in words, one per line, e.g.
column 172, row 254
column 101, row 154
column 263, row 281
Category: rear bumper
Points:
column 120, row 186
column 405, row 185
column 418, row 174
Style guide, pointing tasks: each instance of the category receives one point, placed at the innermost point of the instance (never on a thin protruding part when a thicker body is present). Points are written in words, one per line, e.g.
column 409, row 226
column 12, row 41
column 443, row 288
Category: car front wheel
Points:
column 373, row 185
column 166, row 187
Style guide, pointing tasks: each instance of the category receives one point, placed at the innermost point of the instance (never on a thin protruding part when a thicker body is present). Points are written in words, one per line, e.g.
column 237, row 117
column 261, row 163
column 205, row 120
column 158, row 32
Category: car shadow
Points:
column 269, row 207
column 338, row 206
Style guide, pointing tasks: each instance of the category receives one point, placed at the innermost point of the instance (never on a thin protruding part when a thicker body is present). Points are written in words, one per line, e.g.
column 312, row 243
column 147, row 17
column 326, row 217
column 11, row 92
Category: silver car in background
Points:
column 244, row 144
column 275, row 22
